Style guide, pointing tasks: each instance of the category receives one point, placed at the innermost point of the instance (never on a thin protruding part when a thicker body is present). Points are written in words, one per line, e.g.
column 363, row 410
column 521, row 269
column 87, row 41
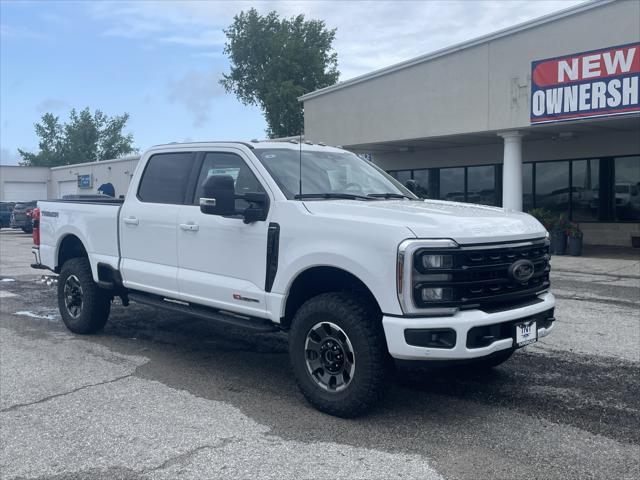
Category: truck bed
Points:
column 92, row 221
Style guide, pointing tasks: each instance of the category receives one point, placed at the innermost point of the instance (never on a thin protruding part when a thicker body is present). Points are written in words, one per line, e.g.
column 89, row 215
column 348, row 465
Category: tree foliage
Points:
column 85, row 137
column 274, row 61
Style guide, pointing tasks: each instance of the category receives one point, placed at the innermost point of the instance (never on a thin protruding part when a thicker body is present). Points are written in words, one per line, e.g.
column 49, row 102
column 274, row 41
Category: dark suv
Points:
column 5, row 213
column 21, row 216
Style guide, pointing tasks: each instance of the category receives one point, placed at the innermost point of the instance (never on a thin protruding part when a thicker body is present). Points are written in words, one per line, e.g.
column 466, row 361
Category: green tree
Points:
column 85, row 137
column 274, row 61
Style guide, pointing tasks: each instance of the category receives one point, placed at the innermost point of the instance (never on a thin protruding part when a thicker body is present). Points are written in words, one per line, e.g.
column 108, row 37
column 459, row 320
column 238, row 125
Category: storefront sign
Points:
column 84, row 181
column 589, row 84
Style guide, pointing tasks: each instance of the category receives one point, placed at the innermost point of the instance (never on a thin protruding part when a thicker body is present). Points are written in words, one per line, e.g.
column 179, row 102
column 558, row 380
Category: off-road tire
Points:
column 96, row 302
column 362, row 324
column 493, row 360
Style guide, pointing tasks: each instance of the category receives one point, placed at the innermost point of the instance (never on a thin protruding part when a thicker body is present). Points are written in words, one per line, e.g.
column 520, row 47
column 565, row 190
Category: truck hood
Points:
column 463, row 222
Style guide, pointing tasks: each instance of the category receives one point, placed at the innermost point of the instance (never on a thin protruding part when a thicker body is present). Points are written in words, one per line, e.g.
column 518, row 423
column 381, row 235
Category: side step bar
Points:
column 258, row 325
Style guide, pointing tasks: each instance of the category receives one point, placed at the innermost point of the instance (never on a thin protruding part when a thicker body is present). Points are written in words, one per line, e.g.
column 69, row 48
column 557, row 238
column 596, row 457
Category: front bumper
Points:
column 461, row 322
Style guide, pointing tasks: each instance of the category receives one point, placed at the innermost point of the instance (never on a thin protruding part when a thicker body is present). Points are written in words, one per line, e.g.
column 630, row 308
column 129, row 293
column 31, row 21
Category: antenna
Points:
column 300, row 165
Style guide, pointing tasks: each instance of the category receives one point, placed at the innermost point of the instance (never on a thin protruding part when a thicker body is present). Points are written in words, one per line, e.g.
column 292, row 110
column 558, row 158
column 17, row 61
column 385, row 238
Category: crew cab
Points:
column 313, row 241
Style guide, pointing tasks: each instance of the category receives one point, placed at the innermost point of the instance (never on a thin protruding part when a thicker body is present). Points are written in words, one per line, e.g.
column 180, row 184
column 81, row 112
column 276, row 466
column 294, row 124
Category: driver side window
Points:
column 222, row 163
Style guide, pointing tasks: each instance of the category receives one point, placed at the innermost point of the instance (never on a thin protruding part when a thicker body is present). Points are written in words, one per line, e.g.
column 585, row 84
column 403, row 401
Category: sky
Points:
column 160, row 61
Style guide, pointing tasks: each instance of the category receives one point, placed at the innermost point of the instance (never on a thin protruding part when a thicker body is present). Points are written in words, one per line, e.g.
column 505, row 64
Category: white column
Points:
column 512, row 171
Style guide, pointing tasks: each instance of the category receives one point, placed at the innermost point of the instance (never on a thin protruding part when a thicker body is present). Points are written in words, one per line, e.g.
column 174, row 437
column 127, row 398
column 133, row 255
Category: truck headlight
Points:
column 436, row 261
column 421, row 262
column 430, row 294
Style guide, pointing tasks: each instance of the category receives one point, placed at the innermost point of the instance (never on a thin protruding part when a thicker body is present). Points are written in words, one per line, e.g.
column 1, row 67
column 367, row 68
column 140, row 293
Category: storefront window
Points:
column 452, row 184
column 552, row 186
column 626, row 188
column 421, row 178
column 481, row 185
column 584, row 190
column 527, row 186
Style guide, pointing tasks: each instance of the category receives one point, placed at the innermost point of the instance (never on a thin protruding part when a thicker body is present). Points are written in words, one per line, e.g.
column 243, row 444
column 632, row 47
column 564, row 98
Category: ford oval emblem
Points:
column 522, row 270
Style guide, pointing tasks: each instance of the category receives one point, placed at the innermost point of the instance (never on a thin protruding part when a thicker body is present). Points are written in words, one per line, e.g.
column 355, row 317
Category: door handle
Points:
column 131, row 220
column 190, row 227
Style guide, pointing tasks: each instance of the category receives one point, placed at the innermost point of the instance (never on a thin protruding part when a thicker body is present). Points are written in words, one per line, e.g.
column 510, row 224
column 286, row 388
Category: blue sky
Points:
column 160, row 61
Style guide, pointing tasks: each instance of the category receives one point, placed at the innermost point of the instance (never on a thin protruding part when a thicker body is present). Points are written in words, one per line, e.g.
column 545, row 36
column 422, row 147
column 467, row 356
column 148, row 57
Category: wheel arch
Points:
column 319, row 279
column 70, row 247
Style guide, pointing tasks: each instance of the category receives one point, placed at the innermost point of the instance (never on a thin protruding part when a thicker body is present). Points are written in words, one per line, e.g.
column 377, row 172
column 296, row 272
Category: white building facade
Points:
column 41, row 183
column 545, row 114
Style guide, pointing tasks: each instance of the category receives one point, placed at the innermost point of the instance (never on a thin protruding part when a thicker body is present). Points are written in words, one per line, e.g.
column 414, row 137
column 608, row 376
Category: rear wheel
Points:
column 83, row 306
column 27, row 229
column 338, row 353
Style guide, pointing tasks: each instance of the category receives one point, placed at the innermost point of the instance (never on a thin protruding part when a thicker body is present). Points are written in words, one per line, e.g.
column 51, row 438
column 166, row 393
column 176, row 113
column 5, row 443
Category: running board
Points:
column 258, row 325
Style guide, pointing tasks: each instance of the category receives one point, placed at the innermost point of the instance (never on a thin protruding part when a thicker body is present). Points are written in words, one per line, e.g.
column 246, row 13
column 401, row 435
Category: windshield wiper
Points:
column 347, row 196
column 389, row 195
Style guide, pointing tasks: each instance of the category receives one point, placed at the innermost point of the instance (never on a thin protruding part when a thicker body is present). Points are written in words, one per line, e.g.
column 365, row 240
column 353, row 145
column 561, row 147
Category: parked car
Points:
column 5, row 213
column 21, row 216
column 344, row 259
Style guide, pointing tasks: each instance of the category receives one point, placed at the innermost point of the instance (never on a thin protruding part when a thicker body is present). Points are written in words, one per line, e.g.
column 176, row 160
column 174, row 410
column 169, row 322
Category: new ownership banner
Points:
column 589, row 84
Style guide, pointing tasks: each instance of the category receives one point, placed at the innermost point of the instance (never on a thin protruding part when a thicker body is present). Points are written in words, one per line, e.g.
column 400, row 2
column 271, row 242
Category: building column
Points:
column 512, row 171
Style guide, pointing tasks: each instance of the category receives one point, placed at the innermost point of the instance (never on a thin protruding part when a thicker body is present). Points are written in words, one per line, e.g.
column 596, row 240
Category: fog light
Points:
column 437, row 261
column 430, row 294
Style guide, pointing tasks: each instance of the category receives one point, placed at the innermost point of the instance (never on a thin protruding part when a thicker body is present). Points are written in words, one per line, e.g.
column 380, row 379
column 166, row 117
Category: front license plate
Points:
column 526, row 333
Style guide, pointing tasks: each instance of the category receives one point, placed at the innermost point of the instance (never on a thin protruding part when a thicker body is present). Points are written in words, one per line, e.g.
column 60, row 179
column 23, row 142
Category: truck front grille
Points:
column 479, row 276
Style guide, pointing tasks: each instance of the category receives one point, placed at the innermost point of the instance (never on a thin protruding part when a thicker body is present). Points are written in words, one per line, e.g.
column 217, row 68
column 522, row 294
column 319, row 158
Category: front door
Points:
column 222, row 260
column 149, row 223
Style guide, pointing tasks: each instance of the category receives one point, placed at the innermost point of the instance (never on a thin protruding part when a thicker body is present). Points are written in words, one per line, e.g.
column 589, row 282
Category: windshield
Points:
column 328, row 174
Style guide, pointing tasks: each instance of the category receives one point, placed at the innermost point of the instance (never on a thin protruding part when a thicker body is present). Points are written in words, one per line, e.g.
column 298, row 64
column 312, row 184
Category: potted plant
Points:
column 550, row 223
column 635, row 241
column 558, row 235
column 574, row 234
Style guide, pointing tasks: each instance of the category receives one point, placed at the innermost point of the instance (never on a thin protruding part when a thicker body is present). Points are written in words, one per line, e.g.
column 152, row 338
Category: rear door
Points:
column 148, row 224
column 222, row 260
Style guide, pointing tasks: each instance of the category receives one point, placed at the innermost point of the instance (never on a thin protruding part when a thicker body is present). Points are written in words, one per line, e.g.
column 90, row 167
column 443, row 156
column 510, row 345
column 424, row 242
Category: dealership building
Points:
column 544, row 114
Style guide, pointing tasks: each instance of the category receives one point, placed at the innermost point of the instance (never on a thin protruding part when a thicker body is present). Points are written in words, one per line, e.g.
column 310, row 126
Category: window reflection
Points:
column 626, row 186
column 552, row 187
column 527, row 187
column 452, row 184
column 421, row 178
column 481, row 185
column 584, row 191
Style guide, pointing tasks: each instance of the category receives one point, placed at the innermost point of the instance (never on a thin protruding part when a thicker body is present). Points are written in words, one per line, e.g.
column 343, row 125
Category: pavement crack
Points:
column 57, row 395
column 184, row 458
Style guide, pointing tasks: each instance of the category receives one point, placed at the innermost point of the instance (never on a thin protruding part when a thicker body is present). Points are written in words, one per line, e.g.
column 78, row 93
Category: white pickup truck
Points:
column 313, row 241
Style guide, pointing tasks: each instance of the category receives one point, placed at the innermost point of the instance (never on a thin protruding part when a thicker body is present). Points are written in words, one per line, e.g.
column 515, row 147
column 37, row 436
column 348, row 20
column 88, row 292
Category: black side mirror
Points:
column 218, row 196
column 257, row 209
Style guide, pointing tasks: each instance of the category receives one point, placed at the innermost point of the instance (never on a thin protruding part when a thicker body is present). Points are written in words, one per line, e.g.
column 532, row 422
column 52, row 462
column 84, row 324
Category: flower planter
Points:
column 635, row 241
column 558, row 242
column 575, row 246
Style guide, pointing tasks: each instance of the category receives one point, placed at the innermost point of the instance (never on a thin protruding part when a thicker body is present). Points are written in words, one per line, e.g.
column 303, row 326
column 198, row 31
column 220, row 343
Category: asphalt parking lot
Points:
column 163, row 396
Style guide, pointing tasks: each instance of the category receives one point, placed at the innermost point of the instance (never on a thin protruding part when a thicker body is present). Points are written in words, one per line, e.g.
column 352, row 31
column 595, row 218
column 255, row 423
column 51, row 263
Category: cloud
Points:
column 370, row 34
column 8, row 157
column 52, row 105
column 10, row 31
column 196, row 91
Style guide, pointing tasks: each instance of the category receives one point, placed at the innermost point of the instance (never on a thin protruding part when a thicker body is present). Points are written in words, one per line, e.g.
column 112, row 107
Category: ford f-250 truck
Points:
column 311, row 240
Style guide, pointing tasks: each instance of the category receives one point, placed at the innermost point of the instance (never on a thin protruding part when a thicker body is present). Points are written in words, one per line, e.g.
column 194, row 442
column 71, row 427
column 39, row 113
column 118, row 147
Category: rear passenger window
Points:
column 165, row 178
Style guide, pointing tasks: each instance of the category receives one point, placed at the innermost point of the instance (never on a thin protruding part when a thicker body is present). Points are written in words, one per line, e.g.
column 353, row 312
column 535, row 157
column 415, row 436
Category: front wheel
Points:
column 84, row 306
column 338, row 353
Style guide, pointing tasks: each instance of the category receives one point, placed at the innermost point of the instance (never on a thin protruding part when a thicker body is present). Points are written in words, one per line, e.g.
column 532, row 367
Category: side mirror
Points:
column 257, row 209
column 218, row 196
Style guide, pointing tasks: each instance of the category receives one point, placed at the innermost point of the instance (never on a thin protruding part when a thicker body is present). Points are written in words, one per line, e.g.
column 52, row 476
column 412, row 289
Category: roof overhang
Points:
column 588, row 5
